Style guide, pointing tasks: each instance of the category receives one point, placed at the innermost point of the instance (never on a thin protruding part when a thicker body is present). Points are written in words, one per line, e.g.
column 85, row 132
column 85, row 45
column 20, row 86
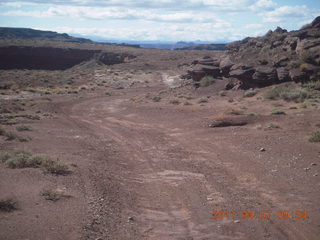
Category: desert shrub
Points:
column 206, row 81
column 156, row 98
column 297, row 95
column 288, row 93
column 231, row 111
column 22, row 159
column 222, row 93
column 305, row 67
column 23, row 128
column 55, row 194
column 272, row 126
column 174, row 101
column 315, row 136
column 277, row 112
column 250, row 93
column 307, row 56
column 2, row 131
column 203, row 100
column 4, row 156
column 10, row 136
column 312, row 85
column 7, row 205
column 56, row 167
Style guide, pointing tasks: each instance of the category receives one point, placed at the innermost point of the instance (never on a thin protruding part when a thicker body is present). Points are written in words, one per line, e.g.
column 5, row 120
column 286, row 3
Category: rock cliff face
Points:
column 276, row 57
column 54, row 58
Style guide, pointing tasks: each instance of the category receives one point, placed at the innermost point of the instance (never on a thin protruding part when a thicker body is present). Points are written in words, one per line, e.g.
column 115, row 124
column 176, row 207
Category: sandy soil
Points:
column 151, row 170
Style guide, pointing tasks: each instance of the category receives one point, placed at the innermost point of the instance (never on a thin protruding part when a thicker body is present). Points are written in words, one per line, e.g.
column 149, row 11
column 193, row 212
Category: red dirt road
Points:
column 154, row 170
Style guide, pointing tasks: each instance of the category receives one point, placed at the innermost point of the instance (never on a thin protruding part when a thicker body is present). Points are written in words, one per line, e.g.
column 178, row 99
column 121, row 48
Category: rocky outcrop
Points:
column 54, row 58
column 278, row 56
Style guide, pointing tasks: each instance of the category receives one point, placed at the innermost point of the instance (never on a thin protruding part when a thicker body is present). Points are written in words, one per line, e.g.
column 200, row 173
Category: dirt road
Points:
column 172, row 172
column 155, row 170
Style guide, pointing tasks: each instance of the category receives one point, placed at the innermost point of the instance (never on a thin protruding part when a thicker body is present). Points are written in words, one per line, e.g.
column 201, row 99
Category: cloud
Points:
column 15, row 4
column 263, row 5
column 96, row 13
column 163, row 32
column 253, row 25
column 285, row 13
column 222, row 5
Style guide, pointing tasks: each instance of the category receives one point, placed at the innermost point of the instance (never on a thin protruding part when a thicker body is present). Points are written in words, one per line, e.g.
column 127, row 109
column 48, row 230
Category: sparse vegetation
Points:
column 174, row 101
column 315, row 136
column 8, row 205
column 288, row 93
column 55, row 194
column 305, row 67
column 156, row 98
column 4, row 156
column 307, row 56
column 10, row 136
column 272, row 126
column 203, row 100
column 56, row 167
column 21, row 128
column 250, row 93
column 22, row 159
column 222, row 93
column 312, row 85
column 10, row 119
column 2, row 131
column 206, row 81
column 232, row 111
column 187, row 103
column 277, row 112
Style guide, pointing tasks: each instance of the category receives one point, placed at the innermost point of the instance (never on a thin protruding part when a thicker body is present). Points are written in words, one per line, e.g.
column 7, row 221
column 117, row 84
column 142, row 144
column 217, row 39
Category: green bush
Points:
column 206, row 81
column 22, row 159
column 288, row 93
column 315, row 136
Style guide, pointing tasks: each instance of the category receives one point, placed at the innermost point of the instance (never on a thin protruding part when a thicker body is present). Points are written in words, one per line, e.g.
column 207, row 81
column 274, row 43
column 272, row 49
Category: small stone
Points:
column 262, row 150
column 307, row 169
column 237, row 221
column 209, row 199
column 315, row 175
column 313, row 164
column 130, row 219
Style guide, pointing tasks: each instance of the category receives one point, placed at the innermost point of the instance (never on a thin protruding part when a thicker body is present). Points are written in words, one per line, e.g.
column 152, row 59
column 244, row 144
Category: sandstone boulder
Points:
column 264, row 76
column 283, row 74
column 225, row 65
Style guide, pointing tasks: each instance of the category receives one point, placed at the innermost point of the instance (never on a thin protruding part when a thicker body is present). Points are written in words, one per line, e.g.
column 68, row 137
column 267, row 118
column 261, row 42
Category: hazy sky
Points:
column 163, row 20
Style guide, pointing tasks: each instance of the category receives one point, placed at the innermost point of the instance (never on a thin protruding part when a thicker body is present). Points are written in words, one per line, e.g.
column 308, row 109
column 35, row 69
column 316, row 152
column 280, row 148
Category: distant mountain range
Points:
column 27, row 33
